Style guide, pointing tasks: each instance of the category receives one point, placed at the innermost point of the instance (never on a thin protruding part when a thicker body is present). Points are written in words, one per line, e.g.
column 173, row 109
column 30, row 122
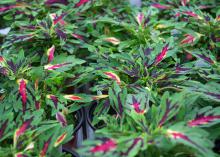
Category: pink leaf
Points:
column 60, row 139
column 72, row 97
column 56, row 66
column 77, row 36
column 81, row 2
column 203, row 120
column 2, row 59
column 136, row 106
column 108, row 145
column 37, row 105
column 20, row 154
column 20, row 131
column 190, row 13
column 161, row 56
column 23, row 92
column 6, row 8
column 58, row 19
column 188, row 40
column 50, row 53
column 112, row 40
column 179, row 135
column 140, row 18
column 113, row 76
column 54, row 99
column 61, row 118
column 45, row 148
column 99, row 97
column 134, row 143
column 159, row 6
column 184, row 2
column 169, row 108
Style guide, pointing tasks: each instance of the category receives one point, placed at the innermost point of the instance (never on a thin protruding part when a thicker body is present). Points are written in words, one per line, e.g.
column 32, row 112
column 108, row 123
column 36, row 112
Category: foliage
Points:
column 153, row 73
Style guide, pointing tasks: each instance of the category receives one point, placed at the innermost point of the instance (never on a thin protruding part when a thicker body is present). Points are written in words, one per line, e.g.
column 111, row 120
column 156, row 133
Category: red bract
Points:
column 81, row 2
column 161, row 56
column 56, row 66
column 23, row 92
column 113, row 76
column 203, row 120
column 107, row 146
column 159, row 6
column 188, row 40
column 50, row 53
column 45, row 148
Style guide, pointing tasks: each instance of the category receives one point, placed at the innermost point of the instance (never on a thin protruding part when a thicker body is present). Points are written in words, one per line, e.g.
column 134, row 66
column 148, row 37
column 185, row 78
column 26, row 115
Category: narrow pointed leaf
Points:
column 50, row 53
column 23, row 92
column 60, row 139
column 61, row 118
column 72, row 97
column 107, row 146
column 113, row 76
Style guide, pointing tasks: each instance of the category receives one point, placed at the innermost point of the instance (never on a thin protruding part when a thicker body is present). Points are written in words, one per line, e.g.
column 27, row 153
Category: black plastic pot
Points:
column 84, row 129
column 69, row 151
column 217, row 146
column 77, row 134
column 90, row 129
